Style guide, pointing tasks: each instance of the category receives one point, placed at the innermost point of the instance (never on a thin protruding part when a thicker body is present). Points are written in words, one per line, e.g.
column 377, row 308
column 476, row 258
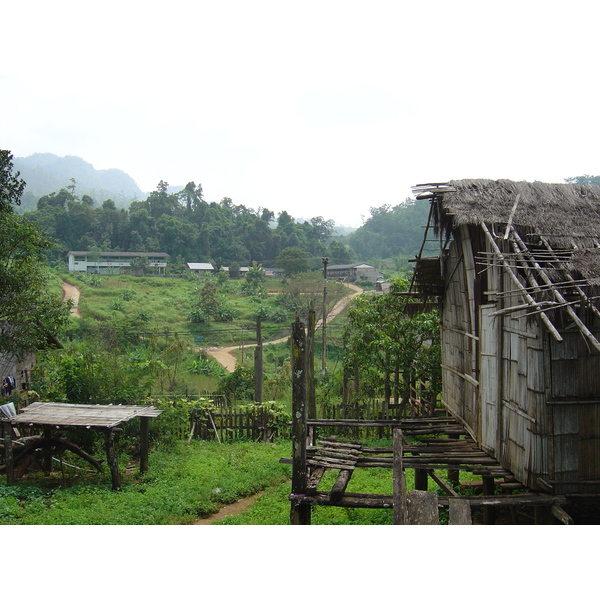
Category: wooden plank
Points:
column 341, row 483
column 459, row 511
column 314, row 479
column 422, row 508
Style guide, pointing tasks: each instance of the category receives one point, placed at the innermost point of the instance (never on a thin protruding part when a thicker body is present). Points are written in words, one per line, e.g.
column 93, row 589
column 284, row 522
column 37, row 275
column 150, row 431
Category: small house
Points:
column 201, row 268
column 354, row 272
column 517, row 276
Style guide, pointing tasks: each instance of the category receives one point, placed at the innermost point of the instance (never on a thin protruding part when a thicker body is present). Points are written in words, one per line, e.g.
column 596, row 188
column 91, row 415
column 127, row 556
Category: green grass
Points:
column 183, row 484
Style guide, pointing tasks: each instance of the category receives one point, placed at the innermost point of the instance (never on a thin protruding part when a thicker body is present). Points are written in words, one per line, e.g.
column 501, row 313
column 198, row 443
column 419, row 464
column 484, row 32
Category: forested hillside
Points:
column 190, row 229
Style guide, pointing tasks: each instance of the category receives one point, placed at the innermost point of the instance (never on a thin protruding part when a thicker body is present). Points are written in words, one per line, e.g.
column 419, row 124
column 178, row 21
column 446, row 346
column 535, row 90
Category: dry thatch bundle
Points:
column 566, row 214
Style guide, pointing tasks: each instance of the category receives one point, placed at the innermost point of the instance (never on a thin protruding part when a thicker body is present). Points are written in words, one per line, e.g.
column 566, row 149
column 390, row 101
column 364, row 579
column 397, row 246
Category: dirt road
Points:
column 70, row 292
column 225, row 357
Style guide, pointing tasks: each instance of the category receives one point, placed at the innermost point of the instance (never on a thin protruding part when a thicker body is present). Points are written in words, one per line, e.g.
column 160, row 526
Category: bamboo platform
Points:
column 53, row 416
column 426, row 445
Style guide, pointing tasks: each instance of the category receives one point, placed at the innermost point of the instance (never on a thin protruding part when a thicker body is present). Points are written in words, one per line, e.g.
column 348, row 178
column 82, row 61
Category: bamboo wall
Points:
column 530, row 401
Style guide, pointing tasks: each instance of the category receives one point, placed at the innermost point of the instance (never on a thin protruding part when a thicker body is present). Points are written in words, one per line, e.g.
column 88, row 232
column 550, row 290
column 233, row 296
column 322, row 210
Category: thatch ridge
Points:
column 562, row 212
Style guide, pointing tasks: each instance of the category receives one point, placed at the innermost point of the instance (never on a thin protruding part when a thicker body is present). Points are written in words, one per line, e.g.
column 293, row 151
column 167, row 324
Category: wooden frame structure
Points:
column 54, row 416
column 423, row 444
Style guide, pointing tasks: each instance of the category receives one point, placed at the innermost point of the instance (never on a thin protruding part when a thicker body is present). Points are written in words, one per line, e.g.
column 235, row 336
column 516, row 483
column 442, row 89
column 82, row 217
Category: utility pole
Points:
column 324, row 353
column 258, row 364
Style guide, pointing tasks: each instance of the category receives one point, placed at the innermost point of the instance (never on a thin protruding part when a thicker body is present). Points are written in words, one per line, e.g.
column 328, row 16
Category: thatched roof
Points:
column 547, row 236
column 567, row 216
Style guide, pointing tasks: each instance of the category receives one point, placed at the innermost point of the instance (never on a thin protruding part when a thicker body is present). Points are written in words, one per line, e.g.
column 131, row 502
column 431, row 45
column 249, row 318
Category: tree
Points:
column 293, row 260
column 11, row 187
column 29, row 314
column 397, row 349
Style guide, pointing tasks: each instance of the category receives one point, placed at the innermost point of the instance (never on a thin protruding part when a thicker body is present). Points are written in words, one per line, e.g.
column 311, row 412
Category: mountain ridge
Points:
column 44, row 173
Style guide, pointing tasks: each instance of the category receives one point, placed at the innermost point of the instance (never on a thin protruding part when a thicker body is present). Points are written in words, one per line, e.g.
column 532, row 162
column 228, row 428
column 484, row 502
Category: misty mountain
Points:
column 46, row 173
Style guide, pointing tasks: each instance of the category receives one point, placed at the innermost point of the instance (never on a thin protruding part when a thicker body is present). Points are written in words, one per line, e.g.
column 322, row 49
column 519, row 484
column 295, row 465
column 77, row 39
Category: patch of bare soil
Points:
column 70, row 292
column 230, row 509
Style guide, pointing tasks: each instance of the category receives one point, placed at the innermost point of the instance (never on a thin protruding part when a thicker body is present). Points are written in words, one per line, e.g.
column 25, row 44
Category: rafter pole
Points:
column 559, row 297
column 530, row 300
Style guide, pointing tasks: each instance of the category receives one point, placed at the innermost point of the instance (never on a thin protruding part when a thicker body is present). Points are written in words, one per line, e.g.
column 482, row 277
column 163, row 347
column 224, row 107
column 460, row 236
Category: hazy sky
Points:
column 320, row 108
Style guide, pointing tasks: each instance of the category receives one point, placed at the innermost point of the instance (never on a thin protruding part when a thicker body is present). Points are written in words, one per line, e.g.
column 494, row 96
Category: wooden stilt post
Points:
column 300, row 512
column 8, row 452
column 453, row 474
column 399, row 482
column 489, row 512
column 111, row 458
column 145, row 443
column 48, row 460
column 421, row 479
column 311, row 400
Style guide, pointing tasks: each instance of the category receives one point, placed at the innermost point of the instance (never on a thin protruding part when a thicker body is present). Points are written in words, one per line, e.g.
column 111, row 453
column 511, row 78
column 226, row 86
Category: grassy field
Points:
column 184, row 483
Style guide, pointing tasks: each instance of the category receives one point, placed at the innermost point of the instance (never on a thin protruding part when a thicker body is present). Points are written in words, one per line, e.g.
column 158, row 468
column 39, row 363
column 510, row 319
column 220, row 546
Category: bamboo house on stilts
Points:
column 518, row 283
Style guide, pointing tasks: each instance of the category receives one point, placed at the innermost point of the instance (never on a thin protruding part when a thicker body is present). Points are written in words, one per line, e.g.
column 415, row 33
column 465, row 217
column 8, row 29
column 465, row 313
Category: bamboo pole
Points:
column 515, row 279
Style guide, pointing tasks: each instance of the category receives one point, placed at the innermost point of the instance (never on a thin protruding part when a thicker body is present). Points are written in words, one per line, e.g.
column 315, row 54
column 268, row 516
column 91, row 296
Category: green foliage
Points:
column 185, row 482
column 205, row 365
column 239, row 385
column 391, row 349
column 293, row 260
column 391, row 231
column 30, row 313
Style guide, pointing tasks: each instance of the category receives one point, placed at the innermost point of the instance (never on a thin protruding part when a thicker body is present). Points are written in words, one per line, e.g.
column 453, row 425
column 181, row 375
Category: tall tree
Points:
column 28, row 312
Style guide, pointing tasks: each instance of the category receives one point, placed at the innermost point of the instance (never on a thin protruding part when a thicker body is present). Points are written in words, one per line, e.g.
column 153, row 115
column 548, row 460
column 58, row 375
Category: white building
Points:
column 113, row 263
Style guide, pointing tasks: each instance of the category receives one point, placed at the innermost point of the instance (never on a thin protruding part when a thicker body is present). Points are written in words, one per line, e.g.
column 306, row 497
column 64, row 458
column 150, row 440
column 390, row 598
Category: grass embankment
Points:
column 183, row 484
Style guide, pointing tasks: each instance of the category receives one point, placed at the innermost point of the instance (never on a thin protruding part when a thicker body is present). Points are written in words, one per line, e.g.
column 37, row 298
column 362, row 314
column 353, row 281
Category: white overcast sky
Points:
column 320, row 108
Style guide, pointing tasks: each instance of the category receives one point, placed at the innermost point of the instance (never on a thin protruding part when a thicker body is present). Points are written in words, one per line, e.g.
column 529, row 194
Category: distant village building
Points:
column 274, row 272
column 200, row 268
column 114, row 263
column 354, row 272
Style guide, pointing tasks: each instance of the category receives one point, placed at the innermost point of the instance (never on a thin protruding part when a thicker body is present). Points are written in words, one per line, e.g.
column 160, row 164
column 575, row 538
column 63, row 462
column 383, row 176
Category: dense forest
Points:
column 190, row 229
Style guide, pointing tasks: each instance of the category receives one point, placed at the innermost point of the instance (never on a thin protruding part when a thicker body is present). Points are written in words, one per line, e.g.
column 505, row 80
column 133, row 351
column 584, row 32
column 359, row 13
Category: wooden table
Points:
column 99, row 417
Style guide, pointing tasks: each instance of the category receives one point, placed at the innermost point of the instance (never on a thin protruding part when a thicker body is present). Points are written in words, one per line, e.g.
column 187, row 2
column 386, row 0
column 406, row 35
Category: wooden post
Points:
column 258, row 364
column 8, row 452
column 324, row 353
column 421, row 479
column 454, row 474
column 422, row 508
column 489, row 512
column 145, row 442
column 300, row 513
column 459, row 511
column 48, row 460
column 399, row 480
column 111, row 458
column 311, row 394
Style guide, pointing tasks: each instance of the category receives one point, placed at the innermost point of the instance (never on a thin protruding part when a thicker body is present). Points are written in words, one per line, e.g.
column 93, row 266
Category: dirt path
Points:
column 70, row 292
column 225, row 355
column 230, row 509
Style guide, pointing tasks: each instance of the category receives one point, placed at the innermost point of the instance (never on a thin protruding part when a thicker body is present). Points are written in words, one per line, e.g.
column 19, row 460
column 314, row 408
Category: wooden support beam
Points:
column 399, row 480
column 112, row 458
column 341, row 483
column 8, row 452
column 145, row 443
column 530, row 300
